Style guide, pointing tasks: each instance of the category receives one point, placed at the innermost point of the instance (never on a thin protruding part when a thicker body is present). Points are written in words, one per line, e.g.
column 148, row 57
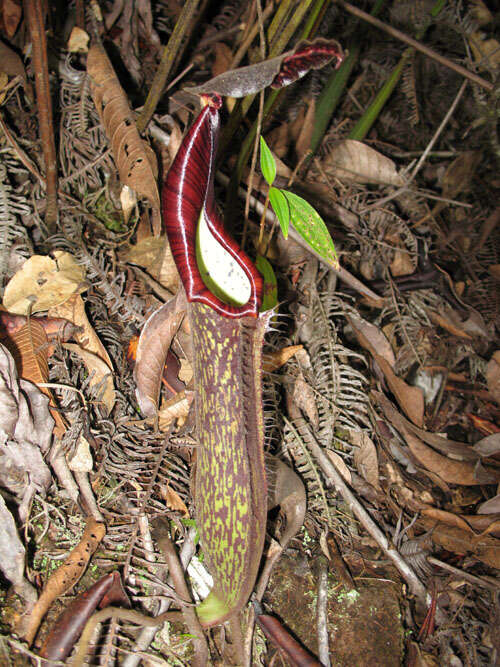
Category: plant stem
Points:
column 170, row 55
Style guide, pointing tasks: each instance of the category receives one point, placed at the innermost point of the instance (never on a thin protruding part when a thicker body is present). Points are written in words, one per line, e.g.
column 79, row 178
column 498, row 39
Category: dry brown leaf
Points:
column 154, row 343
column 459, row 174
column 154, row 254
column 278, row 140
column 305, row 129
column 410, row 399
column 65, row 577
column 173, row 500
column 176, row 408
column 365, row 457
column 134, row 159
column 491, row 506
column 448, row 518
column 43, row 283
column 78, row 41
column 100, row 372
column 493, row 376
column 223, row 58
column 494, row 270
column 29, row 347
column 304, row 398
column 74, row 310
column 339, row 463
column 486, row 52
column 274, row 360
column 354, row 161
column 453, row 472
column 11, row 16
column 375, row 337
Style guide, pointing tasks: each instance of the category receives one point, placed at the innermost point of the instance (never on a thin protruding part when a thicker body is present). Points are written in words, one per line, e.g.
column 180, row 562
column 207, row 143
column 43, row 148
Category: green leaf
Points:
column 270, row 298
column 309, row 224
column 267, row 162
column 281, row 208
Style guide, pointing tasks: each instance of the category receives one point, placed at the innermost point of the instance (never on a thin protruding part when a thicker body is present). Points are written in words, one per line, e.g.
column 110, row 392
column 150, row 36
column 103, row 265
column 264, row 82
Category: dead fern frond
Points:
column 408, row 86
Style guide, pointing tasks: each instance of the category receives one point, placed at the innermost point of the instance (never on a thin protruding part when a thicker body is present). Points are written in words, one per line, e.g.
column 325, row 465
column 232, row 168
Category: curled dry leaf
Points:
column 67, row 629
column 339, row 463
column 134, row 159
column 410, row 399
column 74, row 310
column 176, row 408
column 276, row 72
column 12, row 554
column 64, row 578
column 43, row 283
column 173, row 500
column 154, row 343
column 153, row 253
column 489, row 446
column 375, row 337
column 355, row 162
column 101, row 374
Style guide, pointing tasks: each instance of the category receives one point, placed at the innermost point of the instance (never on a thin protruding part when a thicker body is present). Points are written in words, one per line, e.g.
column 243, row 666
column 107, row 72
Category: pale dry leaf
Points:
column 4, row 80
column 176, row 408
column 101, row 374
column 128, row 201
column 491, row 506
column 459, row 174
column 488, row 446
column 366, row 459
column 304, row 398
column 173, row 500
column 486, row 52
column 12, row 554
column 134, row 159
column 493, row 376
column 185, row 372
column 81, row 459
column 339, row 463
column 78, row 41
column 375, row 336
column 43, row 283
column 64, row 578
column 354, row 161
column 278, row 358
column 74, row 310
column 154, row 343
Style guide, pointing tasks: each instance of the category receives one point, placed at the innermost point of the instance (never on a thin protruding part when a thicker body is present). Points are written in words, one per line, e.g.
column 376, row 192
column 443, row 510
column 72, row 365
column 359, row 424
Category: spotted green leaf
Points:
column 309, row 224
column 281, row 208
column 270, row 293
column 267, row 162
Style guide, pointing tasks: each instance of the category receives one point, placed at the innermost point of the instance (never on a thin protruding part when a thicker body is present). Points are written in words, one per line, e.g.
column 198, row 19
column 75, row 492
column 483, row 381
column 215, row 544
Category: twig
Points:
column 394, row 32
column 477, row 581
column 322, row 612
column 170, row 55
column 35, row 20
column 238, row 57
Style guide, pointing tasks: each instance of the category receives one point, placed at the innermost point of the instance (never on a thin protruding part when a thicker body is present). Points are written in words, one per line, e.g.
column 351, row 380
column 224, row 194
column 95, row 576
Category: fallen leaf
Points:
column 74, row 310
column 355, row 162
column 488, row 446
column 278, row 358
column 173, row 500
column 375, row 337
column 303, row 127
column 101, row 374
column 365, row 458
column 12, row 554
column 134, row 159
column 80, row 460
column 78, row 41
column 176, row 408
column 491, row 506
column 43, row 283
column 493, row 376
column 223, row 58
column 11, row 16
column 64, row 578
column 303, row 395
column 154, row 343
column 341, row 466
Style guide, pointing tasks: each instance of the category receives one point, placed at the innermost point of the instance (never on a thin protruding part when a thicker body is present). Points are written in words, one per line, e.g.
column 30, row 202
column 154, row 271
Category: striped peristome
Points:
column 230, row 484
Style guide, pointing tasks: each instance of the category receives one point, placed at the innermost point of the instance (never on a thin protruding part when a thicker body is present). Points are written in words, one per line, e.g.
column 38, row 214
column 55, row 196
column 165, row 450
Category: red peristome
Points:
column 187, row 190
column 307, row 56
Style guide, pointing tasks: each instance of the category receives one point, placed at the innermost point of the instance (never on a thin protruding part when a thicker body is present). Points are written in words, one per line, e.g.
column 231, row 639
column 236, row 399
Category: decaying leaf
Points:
column 303, row 395
column 29, row 348
column 43, row 283
column 278, row 358
column 135, row 161
column 154, row 254
column 365, row 457
column 493, row 376
column 74, row 310
column 154, row 342
column 56, row 328
column 276, row 72
column 101, row 374
column 355, row 162
column 173, row 500
column 12, row 554
column 68, row 627
column 339, row 463
column 175, row 408
column 64, row 578
column 411, row 399
column 25, row 434
column 375, row 336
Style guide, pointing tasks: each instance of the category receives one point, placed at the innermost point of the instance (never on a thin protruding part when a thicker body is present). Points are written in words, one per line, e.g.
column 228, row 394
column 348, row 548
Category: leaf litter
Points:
column 402, row 400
